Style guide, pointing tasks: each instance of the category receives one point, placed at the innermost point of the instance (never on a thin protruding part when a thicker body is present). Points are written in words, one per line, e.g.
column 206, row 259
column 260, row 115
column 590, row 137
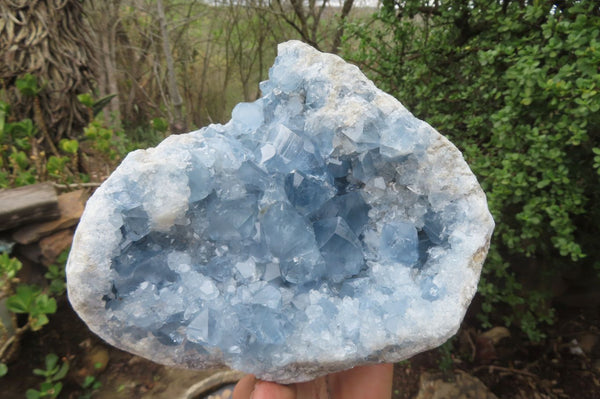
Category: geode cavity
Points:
column 323, row 227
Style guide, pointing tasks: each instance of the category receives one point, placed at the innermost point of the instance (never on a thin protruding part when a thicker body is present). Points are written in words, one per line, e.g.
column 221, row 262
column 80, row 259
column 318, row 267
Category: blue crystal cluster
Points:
column 273, row 241
column 302, row 231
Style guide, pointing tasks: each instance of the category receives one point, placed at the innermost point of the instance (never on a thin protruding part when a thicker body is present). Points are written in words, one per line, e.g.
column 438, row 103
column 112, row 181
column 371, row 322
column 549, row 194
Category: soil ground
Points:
column 564, row 365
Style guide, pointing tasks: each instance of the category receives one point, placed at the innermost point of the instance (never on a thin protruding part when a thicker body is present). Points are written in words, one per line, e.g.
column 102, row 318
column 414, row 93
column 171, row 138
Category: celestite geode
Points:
column 323, row 227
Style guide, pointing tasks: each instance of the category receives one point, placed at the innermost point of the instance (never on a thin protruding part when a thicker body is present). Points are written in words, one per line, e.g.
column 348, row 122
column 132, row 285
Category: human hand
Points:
column 365, row 382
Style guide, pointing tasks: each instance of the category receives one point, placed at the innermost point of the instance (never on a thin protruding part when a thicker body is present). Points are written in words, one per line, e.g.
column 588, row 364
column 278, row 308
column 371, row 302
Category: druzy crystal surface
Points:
column 323, row 227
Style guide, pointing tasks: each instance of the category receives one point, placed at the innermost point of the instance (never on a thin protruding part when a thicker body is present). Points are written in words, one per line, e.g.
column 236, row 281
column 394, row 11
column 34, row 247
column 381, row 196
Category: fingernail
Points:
column 254, row 390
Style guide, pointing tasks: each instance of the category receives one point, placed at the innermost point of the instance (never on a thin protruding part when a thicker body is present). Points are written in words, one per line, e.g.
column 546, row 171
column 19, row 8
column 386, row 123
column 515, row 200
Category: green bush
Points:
column 515, row 85
column 34, row 302
column 23, row 160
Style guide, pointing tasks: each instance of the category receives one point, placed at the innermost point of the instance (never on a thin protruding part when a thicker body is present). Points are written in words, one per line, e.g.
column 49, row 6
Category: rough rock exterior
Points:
column 323, row 227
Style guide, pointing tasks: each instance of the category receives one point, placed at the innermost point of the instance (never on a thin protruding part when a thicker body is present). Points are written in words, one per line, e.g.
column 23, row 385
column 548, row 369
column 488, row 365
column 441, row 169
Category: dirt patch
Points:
column 565, row 365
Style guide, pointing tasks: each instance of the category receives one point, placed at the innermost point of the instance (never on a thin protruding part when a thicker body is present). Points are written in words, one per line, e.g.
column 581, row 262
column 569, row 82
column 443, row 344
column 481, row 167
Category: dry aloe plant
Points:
column 48, row 39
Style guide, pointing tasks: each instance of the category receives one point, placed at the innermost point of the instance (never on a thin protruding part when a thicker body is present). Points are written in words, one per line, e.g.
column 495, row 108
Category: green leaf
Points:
column 57, row 388
column 86, row 99
column 32, row 394
column 38, row 321
column 62, row 372
column 28, row 85
column 56, row 165
column 20, row 159
column 8, row 267
column 160, row 124
column 88, row 381
column 44, row 304
column 53, row 272
column 69, row 146
column 22, row 301
column 3, row 370
column 98, row 105
column 62, row 259
column 543, row 183
column 46, row 388
column 51, row 360
column 58, row 286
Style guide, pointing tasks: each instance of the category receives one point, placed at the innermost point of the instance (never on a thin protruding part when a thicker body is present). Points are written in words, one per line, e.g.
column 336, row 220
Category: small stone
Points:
column 462, row 386
column 597, row 365
column 496, row 334
column 70, row 206
column 322, row 228
column 27, row 204
column 94, row 363
column 575, row 349
column 54, row 245
column 588, row 341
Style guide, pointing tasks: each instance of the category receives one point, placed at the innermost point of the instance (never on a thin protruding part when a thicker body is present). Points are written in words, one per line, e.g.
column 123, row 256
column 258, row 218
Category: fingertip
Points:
column 271, row 390
column 243, row 389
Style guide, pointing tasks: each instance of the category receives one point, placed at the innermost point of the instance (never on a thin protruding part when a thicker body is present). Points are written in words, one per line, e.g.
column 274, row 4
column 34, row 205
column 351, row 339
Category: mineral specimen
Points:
column 323, row 227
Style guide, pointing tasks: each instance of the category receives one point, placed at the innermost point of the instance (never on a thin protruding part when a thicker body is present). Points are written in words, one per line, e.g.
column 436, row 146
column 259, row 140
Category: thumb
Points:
column 271, row 390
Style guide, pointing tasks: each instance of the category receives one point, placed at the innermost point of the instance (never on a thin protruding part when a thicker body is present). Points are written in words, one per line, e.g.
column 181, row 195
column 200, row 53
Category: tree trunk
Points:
column 49, row 40
column 111, row 68
column 337, row 40
column 177, row 122
column 104, row 19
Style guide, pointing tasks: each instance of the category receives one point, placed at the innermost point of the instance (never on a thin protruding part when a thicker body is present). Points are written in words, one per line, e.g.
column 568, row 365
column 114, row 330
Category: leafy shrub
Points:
column 31, row 300
column 9, row 267
column 23, row 159
column 53, row 373
column 516, row 86
column 56, row 274
column 105, row 140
